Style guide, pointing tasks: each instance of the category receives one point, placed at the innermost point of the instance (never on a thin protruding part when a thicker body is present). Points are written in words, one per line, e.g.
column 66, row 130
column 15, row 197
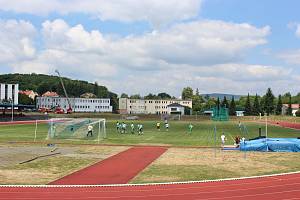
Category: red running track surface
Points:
column 118, row 169
column 286, row 124
column 267, row 188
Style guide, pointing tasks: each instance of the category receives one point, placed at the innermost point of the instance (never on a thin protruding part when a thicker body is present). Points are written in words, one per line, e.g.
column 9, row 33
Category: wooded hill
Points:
column 42, row 83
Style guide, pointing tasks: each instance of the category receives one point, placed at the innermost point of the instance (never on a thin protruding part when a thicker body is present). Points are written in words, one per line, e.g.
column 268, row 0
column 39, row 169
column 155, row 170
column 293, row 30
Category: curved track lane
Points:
column 269, row 187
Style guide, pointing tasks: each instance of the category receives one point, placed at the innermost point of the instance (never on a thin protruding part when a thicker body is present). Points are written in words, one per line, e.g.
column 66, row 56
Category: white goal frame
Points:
column 101, row 128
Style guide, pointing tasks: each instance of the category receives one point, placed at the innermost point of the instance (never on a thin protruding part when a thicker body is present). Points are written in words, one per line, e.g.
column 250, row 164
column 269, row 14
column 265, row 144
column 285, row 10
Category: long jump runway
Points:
column 267, row 188
column 118, row 169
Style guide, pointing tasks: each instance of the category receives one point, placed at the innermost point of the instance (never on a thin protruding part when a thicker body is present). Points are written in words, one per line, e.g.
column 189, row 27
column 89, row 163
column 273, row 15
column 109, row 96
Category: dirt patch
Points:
column 48, row 169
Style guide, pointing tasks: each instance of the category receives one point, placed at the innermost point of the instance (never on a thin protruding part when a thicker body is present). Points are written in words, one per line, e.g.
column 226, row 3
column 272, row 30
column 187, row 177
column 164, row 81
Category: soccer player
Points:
column 167, row 126
column 223, row 138
column 124, row 127
column 158, row 126
column 190, row 127
column 132, row 128
column 140, row 129
column 90, row 131
column 118, row 126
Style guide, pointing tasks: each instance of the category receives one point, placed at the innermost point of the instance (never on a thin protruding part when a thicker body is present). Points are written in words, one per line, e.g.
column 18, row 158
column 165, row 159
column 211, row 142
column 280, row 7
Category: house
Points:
column 295, row 108
column 240, row 113
column 30, row 93
column 50, row 94
column 175, row 108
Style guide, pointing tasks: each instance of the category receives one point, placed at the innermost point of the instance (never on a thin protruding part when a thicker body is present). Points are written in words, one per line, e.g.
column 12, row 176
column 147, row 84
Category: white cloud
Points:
column 291, row 56
column 156, row 12
column 16, row 40
column 227, row 78
column 295, row 26
column 206, row 56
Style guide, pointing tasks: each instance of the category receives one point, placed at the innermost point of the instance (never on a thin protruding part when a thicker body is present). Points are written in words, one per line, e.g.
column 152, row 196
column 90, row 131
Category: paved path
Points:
column 118, row 169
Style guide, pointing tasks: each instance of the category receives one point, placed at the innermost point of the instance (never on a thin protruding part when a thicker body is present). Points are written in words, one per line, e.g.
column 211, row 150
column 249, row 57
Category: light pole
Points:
column 12, row 109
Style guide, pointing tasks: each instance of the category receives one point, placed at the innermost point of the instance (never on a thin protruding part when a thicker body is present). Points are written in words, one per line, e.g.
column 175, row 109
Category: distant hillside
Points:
column 221, row 96
column 41, row 83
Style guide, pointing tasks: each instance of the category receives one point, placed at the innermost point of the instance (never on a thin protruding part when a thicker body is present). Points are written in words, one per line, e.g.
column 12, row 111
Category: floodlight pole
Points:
column 12, row 110
column 35, row 131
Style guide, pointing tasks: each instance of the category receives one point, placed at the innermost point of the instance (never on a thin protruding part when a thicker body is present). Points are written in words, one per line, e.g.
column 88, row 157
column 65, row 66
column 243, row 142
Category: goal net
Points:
column 66, row 128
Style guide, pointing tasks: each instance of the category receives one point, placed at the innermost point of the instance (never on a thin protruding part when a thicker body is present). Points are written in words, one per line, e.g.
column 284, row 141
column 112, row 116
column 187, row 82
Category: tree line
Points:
column 252, row 105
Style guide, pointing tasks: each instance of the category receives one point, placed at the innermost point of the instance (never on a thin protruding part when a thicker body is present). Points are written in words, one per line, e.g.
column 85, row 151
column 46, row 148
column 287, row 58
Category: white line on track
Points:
column 150, row 184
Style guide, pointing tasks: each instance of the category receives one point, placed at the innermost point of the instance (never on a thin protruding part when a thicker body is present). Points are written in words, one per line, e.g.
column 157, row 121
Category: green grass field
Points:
column 202, row 135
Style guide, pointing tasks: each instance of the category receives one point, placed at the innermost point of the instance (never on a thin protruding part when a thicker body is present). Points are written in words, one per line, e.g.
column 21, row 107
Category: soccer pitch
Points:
column 177, row 135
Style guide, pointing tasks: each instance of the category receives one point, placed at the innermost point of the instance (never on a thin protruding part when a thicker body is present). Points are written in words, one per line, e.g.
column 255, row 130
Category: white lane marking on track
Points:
column 153, row 184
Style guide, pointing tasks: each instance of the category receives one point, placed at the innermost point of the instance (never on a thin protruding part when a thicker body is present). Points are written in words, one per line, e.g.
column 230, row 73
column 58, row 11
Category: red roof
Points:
column 294, row 106
column 26, row 92
column 50, row 94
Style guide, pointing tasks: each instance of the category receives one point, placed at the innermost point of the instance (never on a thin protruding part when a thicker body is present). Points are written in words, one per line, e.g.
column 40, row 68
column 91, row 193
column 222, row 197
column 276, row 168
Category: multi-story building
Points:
column 9, row 93
column 152, row 106
column 77, row 104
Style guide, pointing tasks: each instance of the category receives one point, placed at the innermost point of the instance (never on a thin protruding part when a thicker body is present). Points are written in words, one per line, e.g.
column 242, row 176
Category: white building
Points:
column 150, row 106
column 77, row 104
column 9, row 92
column 240, row 113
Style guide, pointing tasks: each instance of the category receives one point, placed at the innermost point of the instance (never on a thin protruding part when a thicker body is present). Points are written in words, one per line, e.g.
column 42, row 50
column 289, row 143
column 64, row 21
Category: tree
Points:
column 256, row 109
column 43, row 87
column 218, row 103
column 269, row 102
column 298, row 112
column 135, row 96
column 197, row 92
column 96, row 89
column 187, row 93
column 206, row 97
column 25, row 100
column 278, row 110
column 289, row 111
column 232, row 107
column 123, row 95
column 248, row 107
column 225, row 102
column 197, row 102
column 163, row 95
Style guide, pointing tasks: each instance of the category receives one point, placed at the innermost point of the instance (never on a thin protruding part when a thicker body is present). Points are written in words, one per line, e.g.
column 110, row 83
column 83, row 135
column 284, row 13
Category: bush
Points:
column 298, row 113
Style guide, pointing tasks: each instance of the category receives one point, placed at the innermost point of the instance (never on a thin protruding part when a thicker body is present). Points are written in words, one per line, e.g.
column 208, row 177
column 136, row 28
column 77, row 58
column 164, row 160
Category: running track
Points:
column 286, row 124
column 267, row 188
column 117, row 169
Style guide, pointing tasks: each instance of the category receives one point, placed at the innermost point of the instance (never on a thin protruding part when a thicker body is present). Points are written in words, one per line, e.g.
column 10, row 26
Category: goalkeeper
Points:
column 90, row 131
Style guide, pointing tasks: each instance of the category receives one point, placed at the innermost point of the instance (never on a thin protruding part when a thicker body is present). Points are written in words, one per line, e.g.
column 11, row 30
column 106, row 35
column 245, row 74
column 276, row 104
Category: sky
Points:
column 151, row 46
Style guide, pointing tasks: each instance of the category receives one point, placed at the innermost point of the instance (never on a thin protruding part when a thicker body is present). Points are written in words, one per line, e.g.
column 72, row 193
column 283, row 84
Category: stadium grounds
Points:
column 190, row 156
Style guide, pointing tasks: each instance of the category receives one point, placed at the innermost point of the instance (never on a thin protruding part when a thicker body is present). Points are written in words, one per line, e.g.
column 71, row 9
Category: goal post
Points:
column 81, row 128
